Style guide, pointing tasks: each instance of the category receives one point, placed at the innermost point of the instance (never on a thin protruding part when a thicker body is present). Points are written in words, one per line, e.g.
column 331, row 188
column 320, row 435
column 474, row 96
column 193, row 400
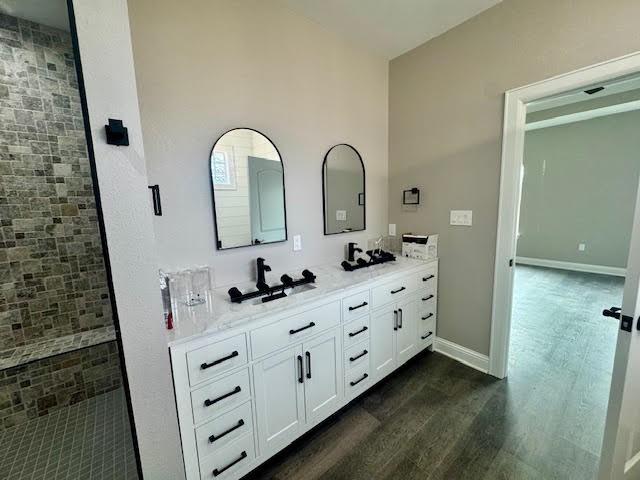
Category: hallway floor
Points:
column 438, row 419
column 90, row 440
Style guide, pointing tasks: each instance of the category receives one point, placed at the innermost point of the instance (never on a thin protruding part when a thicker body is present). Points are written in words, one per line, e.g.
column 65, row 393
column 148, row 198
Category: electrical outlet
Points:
column 582, row 247
column 461, row 217
column 392, row 229
column 341, row 215
column 297, row 243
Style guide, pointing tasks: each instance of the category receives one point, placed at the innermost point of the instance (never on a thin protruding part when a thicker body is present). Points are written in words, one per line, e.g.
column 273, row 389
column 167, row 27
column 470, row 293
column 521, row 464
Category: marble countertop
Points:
column 219, row 313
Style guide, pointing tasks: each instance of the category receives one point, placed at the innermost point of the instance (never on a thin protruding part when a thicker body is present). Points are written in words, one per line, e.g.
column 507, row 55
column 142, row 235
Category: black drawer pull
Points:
column 428, row 297
column 395, row 319
column 242, row 456
column 426, row 336
column 400, row 315
column 363, row 329
column 360, row 355
column 363, row 304
column 427, row 317
column 204, row 366
column 208, row 403
column 213, row 438
column 308, row 354
column 300, row 370
column 365, row 376
column 393, row 292
column 428, row 277
column 291, row 332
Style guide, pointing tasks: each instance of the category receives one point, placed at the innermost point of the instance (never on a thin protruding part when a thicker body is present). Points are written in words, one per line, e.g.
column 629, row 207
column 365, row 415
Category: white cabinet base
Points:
column 245, row 393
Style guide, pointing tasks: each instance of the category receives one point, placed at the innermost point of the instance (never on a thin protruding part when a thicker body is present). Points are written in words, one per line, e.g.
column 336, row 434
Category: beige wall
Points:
column 580, row 184
column 445, row 119
column 206, row 66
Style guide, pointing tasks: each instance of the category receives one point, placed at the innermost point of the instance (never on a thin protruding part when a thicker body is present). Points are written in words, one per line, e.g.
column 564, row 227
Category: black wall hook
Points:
column 117, row 133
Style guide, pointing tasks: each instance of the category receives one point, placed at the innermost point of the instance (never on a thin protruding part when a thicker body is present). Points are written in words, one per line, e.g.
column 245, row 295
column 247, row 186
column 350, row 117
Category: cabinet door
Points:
column 279, row 382
column 383, row 324
column 407, row 333
column 322, row 375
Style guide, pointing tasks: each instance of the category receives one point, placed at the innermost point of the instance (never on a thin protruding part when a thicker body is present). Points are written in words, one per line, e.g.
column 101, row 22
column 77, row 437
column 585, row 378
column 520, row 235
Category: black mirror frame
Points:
column 213, row 194
column 363, row 193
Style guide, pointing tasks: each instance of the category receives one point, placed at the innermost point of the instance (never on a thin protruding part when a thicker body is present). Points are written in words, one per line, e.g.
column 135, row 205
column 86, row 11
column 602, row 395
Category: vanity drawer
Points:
column 427, row 332
column 355, row 331
column 212, row 399
column 216, row 434
column 294, row 329
column 355, row 306
column 230, row 460
column 357, row 355
column 392, row 291
column 357, row 380
column 207, row 362
column 427, row 304
column 427, row 280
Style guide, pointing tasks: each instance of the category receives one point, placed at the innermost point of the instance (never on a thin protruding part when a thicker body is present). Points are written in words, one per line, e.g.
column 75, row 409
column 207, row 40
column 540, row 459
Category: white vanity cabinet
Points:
column 245, row 392
column 300, row 386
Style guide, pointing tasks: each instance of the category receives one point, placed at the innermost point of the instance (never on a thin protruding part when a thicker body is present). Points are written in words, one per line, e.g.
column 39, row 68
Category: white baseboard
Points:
column 462, row 354
column 576, row 267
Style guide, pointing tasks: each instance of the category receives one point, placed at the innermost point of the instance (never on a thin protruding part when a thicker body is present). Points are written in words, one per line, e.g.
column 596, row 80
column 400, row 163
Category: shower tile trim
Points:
column 55, row 346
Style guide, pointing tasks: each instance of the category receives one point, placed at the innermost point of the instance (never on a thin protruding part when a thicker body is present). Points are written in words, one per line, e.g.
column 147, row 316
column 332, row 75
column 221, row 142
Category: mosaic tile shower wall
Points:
column 45, row 386
column 52, row 275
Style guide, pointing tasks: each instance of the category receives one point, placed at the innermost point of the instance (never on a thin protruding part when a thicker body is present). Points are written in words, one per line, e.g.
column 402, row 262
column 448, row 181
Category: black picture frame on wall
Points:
column 361, row 195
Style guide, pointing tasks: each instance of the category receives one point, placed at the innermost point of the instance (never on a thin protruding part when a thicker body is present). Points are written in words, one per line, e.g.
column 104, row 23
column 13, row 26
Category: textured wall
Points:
column 252, row 63
column 52, row 272
column 41, row 387
column 446, row 102
column 575, row 174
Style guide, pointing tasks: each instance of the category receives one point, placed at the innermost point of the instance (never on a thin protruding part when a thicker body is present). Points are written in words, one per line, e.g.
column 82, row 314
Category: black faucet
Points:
column 352, row 251
column 262, row 268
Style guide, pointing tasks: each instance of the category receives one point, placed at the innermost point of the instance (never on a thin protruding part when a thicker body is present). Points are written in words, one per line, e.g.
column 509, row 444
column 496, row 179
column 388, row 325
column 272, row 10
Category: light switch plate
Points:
column 461, row 217
column 582, row 247
column 341, row 215
column 392, row 229
column 297, row 243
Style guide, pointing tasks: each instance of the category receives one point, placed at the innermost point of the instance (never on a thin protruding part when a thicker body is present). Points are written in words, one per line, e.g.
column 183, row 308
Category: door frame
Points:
column 510, row 188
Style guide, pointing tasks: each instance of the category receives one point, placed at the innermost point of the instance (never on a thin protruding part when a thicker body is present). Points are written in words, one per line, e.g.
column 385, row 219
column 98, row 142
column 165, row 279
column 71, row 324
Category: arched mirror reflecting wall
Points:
column 343, row 188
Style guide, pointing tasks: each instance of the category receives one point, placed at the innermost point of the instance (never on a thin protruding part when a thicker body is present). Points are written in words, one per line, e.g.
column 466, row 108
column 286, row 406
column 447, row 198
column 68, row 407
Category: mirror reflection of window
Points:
column 223, row 171
column 248, row 185
column 344, row 190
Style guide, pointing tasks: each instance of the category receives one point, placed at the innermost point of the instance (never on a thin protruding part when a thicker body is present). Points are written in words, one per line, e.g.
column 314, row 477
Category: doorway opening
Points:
column 567, row 256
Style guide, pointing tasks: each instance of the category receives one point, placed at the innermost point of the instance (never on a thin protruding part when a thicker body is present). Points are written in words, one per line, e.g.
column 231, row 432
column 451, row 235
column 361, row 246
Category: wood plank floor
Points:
column 438, row 419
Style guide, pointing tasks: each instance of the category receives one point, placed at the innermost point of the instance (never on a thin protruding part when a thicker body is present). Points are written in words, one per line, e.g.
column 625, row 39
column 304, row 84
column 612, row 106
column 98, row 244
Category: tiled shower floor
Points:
column 90, row 440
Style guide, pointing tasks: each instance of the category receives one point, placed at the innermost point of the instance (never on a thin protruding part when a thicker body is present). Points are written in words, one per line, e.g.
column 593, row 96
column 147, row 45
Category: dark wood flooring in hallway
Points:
column 438, row 419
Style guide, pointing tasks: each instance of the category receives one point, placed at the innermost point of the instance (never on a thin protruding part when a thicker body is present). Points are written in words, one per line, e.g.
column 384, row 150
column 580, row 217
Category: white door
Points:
column 279, row 382
column 266, row 200
column 620, row 457
column 322, row 376
column 407, row 333
column 383, row 324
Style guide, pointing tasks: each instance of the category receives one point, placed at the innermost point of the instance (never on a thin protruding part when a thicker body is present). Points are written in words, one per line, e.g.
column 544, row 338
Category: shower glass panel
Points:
column 63, row 407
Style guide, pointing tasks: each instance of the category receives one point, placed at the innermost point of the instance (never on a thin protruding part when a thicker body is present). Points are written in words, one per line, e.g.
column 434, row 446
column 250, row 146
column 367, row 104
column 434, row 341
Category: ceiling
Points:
column 389, row 27
column 47, row 12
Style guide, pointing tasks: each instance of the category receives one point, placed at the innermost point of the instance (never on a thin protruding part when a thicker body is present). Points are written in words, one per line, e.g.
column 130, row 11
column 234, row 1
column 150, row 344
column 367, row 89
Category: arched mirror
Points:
column 343, row 190
column 247, row 178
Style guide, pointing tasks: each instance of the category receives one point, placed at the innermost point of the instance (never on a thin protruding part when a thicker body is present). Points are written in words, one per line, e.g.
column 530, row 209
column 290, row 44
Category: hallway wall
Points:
column 580, row 185
column 446, row 103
